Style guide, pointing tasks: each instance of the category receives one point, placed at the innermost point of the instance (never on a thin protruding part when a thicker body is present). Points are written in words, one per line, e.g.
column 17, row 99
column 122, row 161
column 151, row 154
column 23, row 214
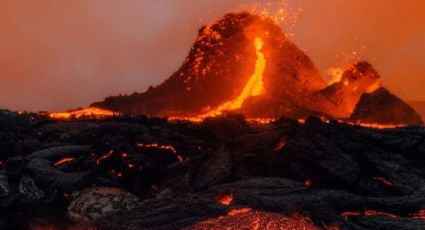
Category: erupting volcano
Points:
column 343, row 154
column 244, row 63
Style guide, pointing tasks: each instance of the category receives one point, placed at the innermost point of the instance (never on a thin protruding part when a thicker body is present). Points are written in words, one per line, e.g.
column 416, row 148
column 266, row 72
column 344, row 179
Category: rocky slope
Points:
column 419, row 106
column 218, row 66
column 232, row 52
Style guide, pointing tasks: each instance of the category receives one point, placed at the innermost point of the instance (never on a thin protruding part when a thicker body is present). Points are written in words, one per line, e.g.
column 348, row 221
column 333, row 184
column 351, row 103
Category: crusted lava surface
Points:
column 223, row 173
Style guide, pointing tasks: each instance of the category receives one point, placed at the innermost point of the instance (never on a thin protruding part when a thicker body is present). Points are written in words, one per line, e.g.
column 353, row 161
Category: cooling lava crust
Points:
column 148, row 173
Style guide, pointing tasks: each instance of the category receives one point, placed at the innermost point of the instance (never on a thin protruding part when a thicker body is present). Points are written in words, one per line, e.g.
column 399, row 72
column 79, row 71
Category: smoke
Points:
column 57, row 55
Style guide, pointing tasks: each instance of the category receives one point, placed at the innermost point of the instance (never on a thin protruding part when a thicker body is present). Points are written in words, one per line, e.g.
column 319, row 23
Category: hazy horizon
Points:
column 62, row 55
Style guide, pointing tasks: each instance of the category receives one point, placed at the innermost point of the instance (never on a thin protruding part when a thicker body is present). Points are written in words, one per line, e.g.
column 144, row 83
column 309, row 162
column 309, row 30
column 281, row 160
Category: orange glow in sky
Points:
column 59, row 55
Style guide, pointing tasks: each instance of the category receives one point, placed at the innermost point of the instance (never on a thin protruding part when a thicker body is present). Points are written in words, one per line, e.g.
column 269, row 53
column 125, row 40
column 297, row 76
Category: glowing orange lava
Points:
column 335, row 74
column 247, row 218
column 261, row 120
column 90, row 112
column 280, row 145
column 63, row 161
column 224, row 198
column 104, row 157
column 349, row 214
column 163, row 147
column 378, row 126
column 254, row 86
column 157, row 146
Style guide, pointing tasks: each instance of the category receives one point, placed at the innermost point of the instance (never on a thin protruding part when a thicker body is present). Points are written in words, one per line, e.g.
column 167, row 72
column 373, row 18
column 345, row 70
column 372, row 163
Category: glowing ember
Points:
column 308, row 182
column 224, row 197
column 301, row 121
column 63, row 161
column 104, row 157
column 280, row 145
column 90, row 112
column 180, row 158
column 419, row 215
column 383, row 180
column 254, row 86
column 349, row 214
column 281, row 12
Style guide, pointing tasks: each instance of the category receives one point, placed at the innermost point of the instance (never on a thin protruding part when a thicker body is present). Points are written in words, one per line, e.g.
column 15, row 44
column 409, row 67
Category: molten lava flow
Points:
column 347, row 215
column 104, row 157
column 335, row 74
column 383, row 181
column 162, row 147
column 246, row 218
column 224, row 198
column 378, row 126
column 90, row 112
column 254, row 86
column 63, row 161
column 280, row 145
column 158, row 146
column 260, row 120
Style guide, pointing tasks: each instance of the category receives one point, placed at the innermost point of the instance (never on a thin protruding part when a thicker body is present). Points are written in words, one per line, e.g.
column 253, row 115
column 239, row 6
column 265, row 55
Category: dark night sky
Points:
column 56, row 55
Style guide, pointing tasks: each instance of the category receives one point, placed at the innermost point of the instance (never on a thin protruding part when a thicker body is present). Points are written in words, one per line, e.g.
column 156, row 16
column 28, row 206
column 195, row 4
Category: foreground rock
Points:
column 92, row 204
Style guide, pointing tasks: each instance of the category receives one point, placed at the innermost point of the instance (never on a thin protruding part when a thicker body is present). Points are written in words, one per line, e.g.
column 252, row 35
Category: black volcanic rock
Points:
column 219, row 65
column 384, row 108
column 329, row 173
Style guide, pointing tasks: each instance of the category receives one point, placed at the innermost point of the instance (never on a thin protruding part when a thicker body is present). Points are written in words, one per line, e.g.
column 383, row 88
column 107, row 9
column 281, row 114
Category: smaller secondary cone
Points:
column 381, row 106
column 244, row 63
column 340, row 98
